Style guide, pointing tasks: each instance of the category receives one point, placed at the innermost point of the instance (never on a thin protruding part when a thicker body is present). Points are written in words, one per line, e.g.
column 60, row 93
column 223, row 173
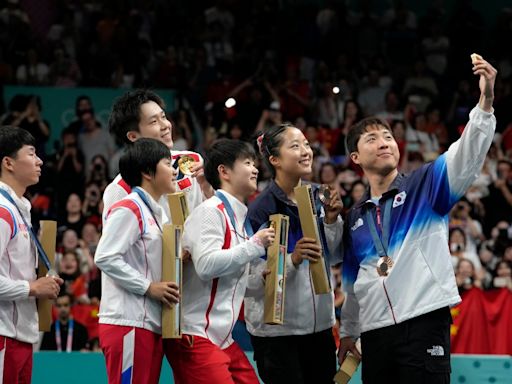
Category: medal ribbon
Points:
column 247, row 226
column 381, row 243
column 144, row 199
column 58, row 336
column 33, row 236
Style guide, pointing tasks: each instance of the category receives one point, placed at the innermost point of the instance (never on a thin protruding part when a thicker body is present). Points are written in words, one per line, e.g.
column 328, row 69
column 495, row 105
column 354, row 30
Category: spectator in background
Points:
column 98, row 172
column 372, row 95
column 32, row 121
column 465, row 276
column 352, row 113
column 73, row 217
column 93, row 140
column 70, row 169
column 32, row 71
column 83, row 104
column 460, row 216
column 64, row 70
column 503, row 275
column 458, row 249
column 74, row 281
column 66, row 334
column 327, row 175
column 71, row 242
column 92, row 206
column 498, row 204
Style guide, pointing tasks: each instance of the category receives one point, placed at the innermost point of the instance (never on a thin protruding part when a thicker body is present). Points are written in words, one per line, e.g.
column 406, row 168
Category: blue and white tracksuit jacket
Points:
column 422, row 278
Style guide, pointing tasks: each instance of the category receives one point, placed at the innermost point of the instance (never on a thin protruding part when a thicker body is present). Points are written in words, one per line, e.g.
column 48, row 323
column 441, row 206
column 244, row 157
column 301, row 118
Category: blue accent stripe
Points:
column 126, row 376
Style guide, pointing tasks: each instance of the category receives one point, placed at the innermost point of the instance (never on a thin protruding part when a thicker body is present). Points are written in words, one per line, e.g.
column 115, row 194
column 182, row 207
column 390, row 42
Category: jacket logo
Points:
column 399, row 199
column 359, row 222
column 436, row 350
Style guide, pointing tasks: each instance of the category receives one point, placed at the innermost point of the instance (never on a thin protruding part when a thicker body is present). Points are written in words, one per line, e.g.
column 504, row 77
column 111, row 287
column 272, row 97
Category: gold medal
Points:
column 324, row 194
column 384, row 265
column 185, row 163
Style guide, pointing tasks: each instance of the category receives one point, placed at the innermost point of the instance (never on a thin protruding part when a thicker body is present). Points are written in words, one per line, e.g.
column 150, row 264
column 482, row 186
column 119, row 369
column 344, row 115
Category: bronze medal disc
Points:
column 324, row 194
column 384, row 265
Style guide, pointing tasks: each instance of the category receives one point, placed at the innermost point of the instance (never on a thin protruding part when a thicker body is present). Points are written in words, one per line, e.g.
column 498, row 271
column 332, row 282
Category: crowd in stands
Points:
column 321, row 67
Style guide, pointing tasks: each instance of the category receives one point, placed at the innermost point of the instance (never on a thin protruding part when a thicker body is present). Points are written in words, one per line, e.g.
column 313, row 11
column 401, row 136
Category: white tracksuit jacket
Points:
column 216, row 279
column 130, row 256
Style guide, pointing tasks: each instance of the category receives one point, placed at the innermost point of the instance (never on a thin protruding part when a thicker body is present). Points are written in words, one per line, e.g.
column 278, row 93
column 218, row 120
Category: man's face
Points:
column 154, row 124
column 26, row 166
column 377, row 151
column 63, row 307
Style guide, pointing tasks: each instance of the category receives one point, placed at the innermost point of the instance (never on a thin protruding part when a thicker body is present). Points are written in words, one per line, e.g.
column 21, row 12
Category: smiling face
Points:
column 153, row 124
column 164, row 180
column 377, row 151
column 295, row 155
column 242, row 177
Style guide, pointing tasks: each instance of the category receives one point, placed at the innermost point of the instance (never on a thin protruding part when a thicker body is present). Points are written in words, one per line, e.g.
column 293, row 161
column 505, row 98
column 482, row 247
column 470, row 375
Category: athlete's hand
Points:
column 334, row 208
column 197, row 170
column 306, row 249
column 347, row 345
column 165, row 291
column 45, row 287
column 266, row 236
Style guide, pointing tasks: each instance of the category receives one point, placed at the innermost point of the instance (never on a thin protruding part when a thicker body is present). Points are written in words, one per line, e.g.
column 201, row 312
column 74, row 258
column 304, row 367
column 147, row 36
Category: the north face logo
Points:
column 436, row 350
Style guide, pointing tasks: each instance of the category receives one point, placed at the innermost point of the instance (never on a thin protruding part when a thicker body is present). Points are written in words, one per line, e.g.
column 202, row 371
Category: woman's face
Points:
column 357, row 192
column 503, row 270
column 70, row 239
column 328, row 174
column 295, row 155
column 68, row 264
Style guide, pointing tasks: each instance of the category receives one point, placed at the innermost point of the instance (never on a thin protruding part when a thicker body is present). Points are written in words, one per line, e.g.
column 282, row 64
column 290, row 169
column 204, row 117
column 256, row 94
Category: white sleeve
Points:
column 349, row 317
column 256, row 282
column 466, row 156
column 114, row 245
column 112, row 194
column 204, row 237
column 333, row 236
column 10, row 289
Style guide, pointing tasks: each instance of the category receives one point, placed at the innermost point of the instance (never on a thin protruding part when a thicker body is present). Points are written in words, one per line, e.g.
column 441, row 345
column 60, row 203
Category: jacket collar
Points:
column 392, row 191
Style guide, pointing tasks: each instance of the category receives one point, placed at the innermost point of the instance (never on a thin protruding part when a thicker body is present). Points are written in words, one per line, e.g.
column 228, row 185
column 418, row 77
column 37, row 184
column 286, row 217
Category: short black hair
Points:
column 12, row 139
column 271, row 141
column 125, row 115
column 355, row 132
column 141, row 157
column 225, row 152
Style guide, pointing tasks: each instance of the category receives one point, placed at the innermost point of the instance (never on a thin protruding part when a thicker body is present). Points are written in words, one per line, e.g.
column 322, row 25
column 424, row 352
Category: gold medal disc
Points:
column 185, row 163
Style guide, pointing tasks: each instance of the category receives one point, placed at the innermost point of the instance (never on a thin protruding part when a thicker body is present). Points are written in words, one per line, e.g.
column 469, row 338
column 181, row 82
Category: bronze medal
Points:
column 324, row 194
column 185, row 163
column 384, row 265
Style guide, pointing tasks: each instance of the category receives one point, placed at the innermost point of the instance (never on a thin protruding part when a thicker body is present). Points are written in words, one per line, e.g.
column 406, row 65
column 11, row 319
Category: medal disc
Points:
column 324, row 194
column 384, row 265
column 185, row 163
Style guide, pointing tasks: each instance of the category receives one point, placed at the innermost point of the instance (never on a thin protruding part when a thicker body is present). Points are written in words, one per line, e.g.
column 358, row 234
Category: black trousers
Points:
column 301, row 359
column 416, row 351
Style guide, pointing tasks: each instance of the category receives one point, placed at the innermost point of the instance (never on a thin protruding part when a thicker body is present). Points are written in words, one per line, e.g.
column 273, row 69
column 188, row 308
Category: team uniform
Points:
column 19, row 327
column 302, row 349
column 130, row 256
column 404, row 306
column 214, row 285
column 119, row 189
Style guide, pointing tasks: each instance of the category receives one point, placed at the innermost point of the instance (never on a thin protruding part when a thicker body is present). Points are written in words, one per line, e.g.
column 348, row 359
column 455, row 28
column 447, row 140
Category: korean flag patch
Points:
column 399, row 199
